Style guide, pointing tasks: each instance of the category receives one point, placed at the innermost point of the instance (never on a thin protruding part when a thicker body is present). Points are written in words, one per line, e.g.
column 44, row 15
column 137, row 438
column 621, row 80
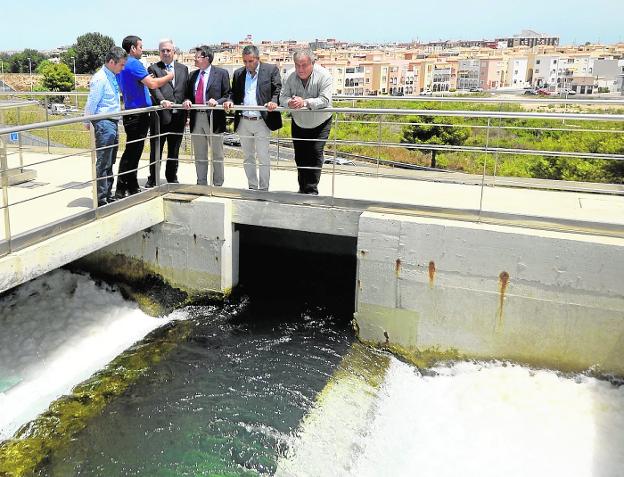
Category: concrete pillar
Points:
column 194, row 249
column 545, row 298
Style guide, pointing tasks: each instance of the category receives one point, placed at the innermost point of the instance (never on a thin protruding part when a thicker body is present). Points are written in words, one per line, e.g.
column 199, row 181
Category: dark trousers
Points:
column 106, row 138
column 173, row 137
column 136, row 127
column 309, row 154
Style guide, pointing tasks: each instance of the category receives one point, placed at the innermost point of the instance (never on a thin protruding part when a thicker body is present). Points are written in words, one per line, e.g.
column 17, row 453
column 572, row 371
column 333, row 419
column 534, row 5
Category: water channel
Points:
column 273, row 382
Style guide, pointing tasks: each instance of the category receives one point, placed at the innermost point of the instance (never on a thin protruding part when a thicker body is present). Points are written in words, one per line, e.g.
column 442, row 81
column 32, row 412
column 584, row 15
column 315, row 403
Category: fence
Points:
column 381, row 147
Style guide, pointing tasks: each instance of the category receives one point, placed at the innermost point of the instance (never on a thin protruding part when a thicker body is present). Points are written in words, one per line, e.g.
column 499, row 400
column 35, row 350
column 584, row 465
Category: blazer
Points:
column 217, row 88
column 172, row 93
column 268, row 89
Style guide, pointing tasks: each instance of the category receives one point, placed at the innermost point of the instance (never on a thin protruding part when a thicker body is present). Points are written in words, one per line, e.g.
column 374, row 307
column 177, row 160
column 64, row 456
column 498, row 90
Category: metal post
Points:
column 5, row 191
column 75, row 81
column 487, row 145
column 335, row 158
column 46, row 104
column 30, row 73
column 210, row 158
column 19, row 140
column 379, row 146
column 157, row 155
column 278, row 147
column 93, row 168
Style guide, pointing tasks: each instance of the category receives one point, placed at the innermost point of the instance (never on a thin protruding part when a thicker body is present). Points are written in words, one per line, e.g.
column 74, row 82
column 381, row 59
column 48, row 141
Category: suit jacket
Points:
column 268, row 89
column 217, row 88
column 172, row 93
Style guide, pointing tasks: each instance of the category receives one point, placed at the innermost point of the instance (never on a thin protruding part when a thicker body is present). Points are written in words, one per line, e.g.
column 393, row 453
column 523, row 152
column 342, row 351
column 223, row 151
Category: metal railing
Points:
column 339, row 146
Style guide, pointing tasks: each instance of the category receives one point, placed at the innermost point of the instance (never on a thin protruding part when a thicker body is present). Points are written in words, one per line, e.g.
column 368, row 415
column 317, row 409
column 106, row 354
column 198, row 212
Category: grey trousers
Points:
column 254, row 137
column 202, row 137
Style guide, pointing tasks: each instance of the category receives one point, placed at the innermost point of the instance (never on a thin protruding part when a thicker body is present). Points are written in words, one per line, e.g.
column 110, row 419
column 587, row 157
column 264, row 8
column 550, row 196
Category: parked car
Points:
column 57, row 108
column 530, row 92
column 476, row 90
column 543, row 92
column 231, row 139
column 567, row 92
column 426, row 92
column 339, row 161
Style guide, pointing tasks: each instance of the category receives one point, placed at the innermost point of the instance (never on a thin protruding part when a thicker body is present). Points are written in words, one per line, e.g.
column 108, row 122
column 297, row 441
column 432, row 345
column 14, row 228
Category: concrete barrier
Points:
column 493, row 292
column 194, row 249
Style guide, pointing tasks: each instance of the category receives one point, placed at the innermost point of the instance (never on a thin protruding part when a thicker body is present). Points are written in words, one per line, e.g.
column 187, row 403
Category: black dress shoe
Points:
column 174, row 181
column 111, row 199
column 150, row 183
column 120, row 194
column 102, row 203
column 134, row 191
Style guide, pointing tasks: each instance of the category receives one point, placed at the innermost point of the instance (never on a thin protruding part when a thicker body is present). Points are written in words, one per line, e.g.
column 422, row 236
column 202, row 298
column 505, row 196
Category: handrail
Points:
column 480, row 99
column 456, row 99
column 376, row 111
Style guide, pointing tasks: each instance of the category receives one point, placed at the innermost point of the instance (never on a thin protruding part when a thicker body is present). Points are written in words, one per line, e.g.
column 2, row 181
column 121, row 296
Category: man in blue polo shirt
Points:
column 134, row 81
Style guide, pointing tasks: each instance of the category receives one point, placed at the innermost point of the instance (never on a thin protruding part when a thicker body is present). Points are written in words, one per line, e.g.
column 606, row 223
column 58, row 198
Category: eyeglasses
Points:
column 200, row 57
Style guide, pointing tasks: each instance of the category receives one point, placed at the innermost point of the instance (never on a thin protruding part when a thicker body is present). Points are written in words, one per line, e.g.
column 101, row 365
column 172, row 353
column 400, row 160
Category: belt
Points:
column 252, row 118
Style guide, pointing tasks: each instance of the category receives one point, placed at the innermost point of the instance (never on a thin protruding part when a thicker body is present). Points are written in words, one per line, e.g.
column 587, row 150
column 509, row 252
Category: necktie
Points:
column 199, row 93
column 170, row 68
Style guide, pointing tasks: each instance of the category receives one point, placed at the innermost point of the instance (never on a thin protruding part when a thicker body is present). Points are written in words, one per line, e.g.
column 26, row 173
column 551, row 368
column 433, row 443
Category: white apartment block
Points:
column 517, row 71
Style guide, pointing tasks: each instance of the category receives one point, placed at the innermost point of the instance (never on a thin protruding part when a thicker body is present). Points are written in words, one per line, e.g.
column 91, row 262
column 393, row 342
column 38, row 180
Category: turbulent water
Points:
column 260, row 386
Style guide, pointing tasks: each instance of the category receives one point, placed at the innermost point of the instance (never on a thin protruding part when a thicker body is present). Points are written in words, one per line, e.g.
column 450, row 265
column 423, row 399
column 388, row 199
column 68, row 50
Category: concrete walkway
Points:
column 416, row 188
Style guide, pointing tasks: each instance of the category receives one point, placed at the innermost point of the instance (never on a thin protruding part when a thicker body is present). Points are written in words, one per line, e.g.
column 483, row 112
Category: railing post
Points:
column 93, row 167
column 157, row 152
column 379, row 147
column 19, row 140
column 333, row 193
column 45, row 105
column 210, row 157
column 278, row 146
column 5, row 191
column 487, row 145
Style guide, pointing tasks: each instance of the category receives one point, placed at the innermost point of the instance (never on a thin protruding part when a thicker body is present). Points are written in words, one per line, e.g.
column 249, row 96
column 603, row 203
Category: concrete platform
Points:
column 62, row 189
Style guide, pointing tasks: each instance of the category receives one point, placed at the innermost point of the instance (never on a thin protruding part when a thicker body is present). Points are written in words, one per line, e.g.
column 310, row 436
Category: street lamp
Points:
column 75, row 87
column 30, row 73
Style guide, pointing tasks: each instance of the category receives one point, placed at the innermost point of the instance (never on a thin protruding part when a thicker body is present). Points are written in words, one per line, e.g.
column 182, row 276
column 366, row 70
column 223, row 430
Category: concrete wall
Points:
column 31, row 262
column 545, row 298
column 194, row 249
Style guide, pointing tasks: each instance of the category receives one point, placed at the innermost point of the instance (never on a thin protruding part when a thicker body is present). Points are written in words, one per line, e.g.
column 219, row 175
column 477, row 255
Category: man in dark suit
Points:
column 256, row 84
column 207, row 85
column 172, row 121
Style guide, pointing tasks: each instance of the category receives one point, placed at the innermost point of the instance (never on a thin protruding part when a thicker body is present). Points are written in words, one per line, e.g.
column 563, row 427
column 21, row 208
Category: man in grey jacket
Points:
column 307, row 90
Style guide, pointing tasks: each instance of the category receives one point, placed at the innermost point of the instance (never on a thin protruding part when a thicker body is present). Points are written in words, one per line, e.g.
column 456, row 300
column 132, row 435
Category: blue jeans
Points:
column 107, row 137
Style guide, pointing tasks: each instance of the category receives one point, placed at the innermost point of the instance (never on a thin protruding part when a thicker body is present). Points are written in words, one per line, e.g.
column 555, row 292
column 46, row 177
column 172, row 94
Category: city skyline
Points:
column 360, row 21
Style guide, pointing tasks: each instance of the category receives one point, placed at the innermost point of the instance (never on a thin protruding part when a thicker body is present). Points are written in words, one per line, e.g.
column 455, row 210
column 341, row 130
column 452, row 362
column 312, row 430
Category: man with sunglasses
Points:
column 208, row 85
column 172, row 121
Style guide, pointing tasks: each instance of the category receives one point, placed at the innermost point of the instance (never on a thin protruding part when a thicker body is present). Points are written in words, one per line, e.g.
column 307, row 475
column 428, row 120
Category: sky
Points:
column 45, row 25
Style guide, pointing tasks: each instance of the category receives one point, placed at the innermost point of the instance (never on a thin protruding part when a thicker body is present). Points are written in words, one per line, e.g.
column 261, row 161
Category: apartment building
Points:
column 492, row 72
column 468, row 74
column 517, row 72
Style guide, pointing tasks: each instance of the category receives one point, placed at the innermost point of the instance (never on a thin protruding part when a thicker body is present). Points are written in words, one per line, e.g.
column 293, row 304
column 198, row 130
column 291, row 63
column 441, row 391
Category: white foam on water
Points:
column 472, row 419
column 55, row 332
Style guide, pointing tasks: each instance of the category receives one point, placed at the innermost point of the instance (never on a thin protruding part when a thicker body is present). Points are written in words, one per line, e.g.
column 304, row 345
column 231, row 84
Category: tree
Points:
column 90, row 51
column 66, row 57
column 429, row 130
column 18, row 63
column 57, row 77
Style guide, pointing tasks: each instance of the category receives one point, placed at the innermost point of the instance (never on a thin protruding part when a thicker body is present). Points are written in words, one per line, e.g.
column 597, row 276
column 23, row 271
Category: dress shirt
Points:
column 206, row 76
column 250, row 99
column 103, row 94
column 317, row 93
